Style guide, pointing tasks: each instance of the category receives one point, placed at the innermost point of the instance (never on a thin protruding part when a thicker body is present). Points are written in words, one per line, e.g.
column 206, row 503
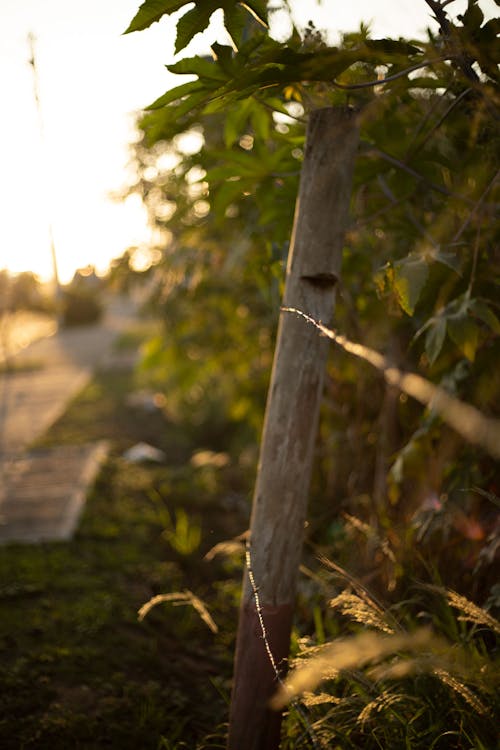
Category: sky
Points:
column 91, row 80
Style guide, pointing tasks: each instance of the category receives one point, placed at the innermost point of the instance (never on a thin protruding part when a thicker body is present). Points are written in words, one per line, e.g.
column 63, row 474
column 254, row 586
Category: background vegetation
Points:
column 218, row 165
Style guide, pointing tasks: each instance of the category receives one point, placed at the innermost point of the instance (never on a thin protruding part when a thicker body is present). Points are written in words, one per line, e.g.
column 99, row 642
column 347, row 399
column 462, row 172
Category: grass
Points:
column 18, row 366
column 79, row 670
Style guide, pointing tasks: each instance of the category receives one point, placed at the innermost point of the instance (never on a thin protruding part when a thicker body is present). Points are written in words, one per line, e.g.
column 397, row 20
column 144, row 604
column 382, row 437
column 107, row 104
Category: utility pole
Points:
column 36, row 91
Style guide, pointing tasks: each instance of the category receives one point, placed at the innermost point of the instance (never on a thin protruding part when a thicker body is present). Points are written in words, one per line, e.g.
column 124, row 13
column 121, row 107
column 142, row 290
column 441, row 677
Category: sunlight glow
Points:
column 91, row 81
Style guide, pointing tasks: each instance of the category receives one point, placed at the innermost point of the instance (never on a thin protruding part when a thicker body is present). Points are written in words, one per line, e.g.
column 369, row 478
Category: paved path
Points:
column 44, row 492
column 63, row 363
column 40, row 491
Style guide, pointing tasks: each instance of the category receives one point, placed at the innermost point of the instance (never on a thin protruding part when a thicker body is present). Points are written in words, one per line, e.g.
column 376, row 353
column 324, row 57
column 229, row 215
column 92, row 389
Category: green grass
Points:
column 78, row 668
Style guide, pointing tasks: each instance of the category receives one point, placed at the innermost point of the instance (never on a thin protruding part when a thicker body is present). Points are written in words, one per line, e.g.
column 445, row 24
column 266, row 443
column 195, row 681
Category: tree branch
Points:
column 450, row 37
column 387, row 79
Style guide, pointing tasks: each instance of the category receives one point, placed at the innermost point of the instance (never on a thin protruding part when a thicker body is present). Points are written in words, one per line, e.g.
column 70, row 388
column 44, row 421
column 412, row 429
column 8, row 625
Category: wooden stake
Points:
column 290, row 427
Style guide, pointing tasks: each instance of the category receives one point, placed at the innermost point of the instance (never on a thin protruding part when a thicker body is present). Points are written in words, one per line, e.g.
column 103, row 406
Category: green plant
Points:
column 183, row 534
column 80, row 307
column 397, row 495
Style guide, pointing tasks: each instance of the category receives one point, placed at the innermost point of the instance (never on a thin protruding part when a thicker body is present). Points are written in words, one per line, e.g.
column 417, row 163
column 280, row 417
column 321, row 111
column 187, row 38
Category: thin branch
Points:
column 438, row 124
column 401, row 165
column 387, row 79
column 448, row 30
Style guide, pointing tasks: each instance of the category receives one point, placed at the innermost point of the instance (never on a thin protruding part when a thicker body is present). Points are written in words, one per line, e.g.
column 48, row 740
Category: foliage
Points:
column 22, row 291
column 80, row 300
column 417, row 275
column 80, row 307
column 78, row 667
column 388, row 684
column 218, row 166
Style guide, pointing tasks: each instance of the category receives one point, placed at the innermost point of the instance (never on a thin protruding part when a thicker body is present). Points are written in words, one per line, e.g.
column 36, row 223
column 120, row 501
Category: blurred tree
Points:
column 22, row 291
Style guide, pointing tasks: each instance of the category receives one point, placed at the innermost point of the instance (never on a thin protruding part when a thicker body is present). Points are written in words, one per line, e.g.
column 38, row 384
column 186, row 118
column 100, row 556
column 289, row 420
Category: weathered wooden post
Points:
column 282, row 486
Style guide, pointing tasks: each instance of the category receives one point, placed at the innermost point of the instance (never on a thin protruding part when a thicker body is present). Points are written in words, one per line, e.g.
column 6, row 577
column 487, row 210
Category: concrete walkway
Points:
column 42, row 493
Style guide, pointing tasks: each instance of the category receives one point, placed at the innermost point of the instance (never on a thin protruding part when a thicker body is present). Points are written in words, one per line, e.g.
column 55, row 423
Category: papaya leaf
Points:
column 434, row 339
column 465, row 334
column 473, row 17
column 230, row 192
column 224, row 172
column 260, row 121
column 224, row 57
column 234, row 21
column 410, row 276
column 193, row 22
column 447, row 259
column 176, row 93
column 235, row 121
column 491, row 29
column 481, row 310
column 194, row 101
column 392, row 46
column 151, row 11
column 196, row 66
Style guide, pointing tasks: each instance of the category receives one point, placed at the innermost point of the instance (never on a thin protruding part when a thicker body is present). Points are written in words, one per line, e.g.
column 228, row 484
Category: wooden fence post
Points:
column 288, row 439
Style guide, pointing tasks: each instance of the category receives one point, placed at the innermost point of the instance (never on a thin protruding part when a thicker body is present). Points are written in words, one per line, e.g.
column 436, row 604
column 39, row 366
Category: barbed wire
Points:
column 464, row 418
column 294, row 703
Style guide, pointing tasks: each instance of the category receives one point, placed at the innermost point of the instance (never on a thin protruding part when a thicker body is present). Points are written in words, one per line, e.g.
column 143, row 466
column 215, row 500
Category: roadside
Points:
column 42, row 492
column 50, row 371
column 20, row 329
column 79, row 668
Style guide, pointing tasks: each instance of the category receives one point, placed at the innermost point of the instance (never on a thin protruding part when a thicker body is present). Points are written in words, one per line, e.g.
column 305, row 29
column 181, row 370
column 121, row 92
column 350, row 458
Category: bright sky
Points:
column 91, row 80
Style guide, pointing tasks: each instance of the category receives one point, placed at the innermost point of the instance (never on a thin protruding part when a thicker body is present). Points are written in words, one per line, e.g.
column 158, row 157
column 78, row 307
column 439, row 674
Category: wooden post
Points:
column 290, row 427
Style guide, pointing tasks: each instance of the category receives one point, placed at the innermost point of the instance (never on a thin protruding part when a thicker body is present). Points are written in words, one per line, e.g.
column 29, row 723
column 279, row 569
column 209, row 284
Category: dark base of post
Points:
column 253, row 725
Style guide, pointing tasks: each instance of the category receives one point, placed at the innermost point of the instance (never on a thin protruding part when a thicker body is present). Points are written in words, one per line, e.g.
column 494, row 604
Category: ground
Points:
column 79, row 668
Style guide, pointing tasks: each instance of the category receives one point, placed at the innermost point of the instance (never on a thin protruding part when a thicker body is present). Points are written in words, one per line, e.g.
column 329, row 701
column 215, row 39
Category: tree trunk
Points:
column 282, row 486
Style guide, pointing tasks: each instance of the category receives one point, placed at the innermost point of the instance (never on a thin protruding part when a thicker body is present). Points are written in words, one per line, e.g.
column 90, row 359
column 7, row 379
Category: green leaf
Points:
column 151, row 11
column 234, row 21
column 392, row 46
column 410, row 276
column 473, row 17
column 224, row 57
column 173, row 95
column 193, row 22
column 260, row 121
column 196, row 100
column 465, row 334
column 230, row 192
column 235, row 121
column 198, row 66
column 434, row 339
column 481, row 310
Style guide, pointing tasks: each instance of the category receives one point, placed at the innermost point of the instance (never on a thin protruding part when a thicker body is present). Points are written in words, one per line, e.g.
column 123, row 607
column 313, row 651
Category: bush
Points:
column 80, row 307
